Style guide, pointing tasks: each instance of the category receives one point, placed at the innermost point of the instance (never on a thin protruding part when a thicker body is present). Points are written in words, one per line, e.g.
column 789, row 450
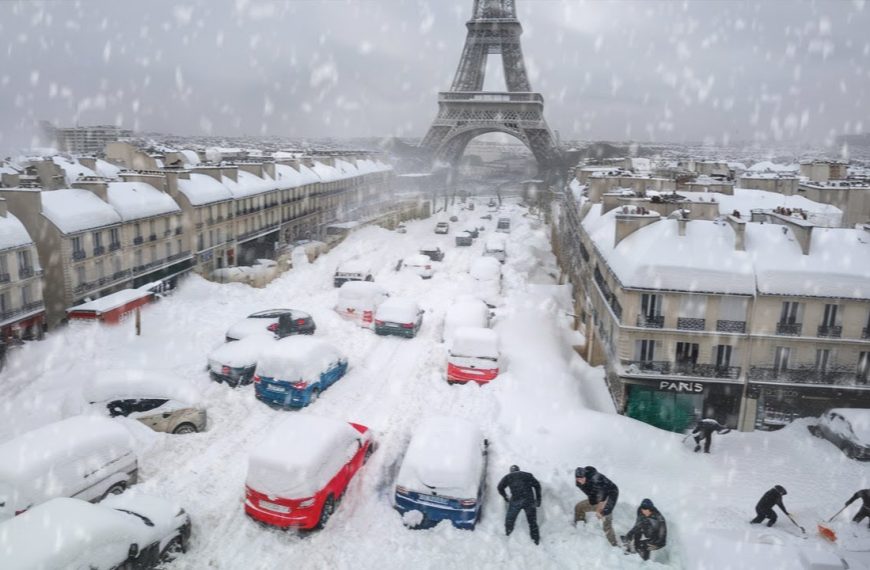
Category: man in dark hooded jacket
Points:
column 650, row 531
column 704, row 432
column 602, row 495
column 764, row 508
column 525, row 496
column 864, row 511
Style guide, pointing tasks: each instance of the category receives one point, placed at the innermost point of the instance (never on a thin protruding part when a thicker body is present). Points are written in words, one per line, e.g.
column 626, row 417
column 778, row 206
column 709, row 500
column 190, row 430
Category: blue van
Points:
column 443, row 474
column 295, row 370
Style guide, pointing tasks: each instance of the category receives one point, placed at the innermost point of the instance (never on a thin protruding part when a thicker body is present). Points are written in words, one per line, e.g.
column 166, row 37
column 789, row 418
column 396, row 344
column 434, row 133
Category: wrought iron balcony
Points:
column 199, row 225
column 114, row 246
column 830, row 331
column 834, row 376
column 657, row 366
column 78, row 255
column 651, row 322
column 167, row 233
column 25, row 272
column 5, row 278
column 26, row 308
column 789, row 329
column 220, row 219
column 138, row 240
column 178, row 231
column 705, row 370
column 731, row 326
column 99, row 250
column 691, row 324
column 152, row 237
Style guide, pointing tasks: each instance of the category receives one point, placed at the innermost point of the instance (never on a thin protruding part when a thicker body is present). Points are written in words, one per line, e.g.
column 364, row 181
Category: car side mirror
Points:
column 134, row 551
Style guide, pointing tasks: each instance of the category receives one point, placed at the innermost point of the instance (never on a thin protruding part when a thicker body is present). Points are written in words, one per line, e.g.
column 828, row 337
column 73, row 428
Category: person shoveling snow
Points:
column 650, row 531
column 764, row 508
column 525, row 496
column 704, row 432
column 864, row 511
column 601, row 495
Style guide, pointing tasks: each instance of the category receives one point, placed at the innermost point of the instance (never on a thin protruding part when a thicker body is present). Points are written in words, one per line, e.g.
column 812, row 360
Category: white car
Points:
column 358, row 301
column 127, row 531
column 486, row 272
column 352, row 270
column 161, row 401
column 466, row 311
column 419, row 264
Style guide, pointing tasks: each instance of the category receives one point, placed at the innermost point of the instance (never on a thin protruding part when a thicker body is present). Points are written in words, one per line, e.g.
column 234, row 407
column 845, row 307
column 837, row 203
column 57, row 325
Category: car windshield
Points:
column 145, row 519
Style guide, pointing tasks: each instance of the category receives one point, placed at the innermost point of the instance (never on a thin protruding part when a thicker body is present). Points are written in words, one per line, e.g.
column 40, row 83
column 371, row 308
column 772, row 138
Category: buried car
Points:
column 352, row 270
column 486, row 272
column 127, row 531
column 86, row 457
column 473, row 356
column 465, row 311
column 433, row 252
column 443, row 474
column 848, row 429
column 295, row 370
column 398, row 316
column 280, row 322
column 419, row 264
column 161, row 401
column 300, row 471
column 358, row 301
column 233, row 363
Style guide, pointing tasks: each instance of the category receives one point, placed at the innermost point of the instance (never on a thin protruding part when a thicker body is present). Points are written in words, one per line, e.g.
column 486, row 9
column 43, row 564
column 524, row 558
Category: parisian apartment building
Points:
column 748, row 305
column 88, row 227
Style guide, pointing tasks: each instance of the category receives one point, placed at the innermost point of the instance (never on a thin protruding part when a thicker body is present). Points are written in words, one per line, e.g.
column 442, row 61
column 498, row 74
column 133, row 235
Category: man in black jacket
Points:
column 650, row 531
column 602, row 496
column 704, row 431
column 764, row 508
column 525, row 496
column 864, row 511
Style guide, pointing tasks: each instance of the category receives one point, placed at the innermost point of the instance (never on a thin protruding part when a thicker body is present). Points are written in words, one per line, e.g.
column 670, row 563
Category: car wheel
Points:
column 172, row 550
column 184, row 428
column 115, row 489
column 326, row 511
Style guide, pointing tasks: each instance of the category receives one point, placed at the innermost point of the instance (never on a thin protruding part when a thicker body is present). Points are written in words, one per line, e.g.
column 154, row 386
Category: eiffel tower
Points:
column 466, row 111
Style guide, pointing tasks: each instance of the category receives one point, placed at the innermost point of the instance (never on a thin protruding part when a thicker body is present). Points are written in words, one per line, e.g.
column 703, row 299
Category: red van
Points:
column 300, row 471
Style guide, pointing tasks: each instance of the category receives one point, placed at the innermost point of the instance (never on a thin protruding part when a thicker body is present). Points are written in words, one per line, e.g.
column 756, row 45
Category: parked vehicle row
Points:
column 295, row 370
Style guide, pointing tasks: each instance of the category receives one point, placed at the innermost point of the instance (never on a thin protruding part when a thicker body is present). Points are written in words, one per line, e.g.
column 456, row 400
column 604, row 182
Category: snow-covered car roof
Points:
column 241, row 353
column 300, row 455
column 475, row 342
column 485, row 268
column 417, row 259
column 30, row 456
column 445, row 456
column 72, row 533
column 359, row 292
column 353, row 266
column 297, row 357
column 108, row 385
column 465, row 312
column 398, row 310
column 495, row 241
column 859, row 419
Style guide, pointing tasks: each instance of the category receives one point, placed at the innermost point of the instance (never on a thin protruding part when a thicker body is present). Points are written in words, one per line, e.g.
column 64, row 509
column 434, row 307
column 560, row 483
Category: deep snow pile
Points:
column 539, row 414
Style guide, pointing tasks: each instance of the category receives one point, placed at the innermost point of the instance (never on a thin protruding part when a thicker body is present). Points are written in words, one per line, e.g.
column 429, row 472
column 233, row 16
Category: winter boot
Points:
column 697, row 448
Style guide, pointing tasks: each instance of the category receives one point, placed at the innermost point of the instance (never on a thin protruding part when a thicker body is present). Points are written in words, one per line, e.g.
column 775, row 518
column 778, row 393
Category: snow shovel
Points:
column 795, row 523
column 828, row 533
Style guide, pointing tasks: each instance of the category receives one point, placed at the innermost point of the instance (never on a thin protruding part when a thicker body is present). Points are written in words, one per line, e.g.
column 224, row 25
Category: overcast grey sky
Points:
column 769, row 70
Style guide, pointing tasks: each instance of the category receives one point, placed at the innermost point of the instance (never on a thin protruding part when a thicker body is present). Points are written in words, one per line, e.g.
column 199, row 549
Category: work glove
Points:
column 538, row 504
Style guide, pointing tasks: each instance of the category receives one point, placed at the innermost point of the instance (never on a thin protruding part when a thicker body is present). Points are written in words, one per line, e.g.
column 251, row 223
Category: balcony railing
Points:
column 658, row 366
column 790, row 329
column 651, row 321
column 178, row 231
column 167, row 233
column 220, row 219
column 684, row 368
column 209, row 221
column 835, row 375
column 198, row 225
column 830, row 331
column 79, row 254
column 99, row 250
column 152, row 237
column 5, row 278
column 691, row 324
column 114, row 246
column 26, row 308
column 138, row 240
column 87, row 286
column 731, row 326
column 25, row 272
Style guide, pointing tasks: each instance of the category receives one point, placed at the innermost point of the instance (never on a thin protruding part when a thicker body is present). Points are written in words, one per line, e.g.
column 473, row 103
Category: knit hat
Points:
column 647, row 504
column 580, row 472
column 514, row 468
column 780, row 489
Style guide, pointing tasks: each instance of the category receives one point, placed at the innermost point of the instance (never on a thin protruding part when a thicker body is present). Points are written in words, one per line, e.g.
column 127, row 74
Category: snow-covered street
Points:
column 546, row 412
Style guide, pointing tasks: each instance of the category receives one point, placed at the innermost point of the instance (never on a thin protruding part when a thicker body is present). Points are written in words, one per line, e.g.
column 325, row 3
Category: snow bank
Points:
column 485, row 269
column 445, row 456
column 299, row 357
column 300, row 455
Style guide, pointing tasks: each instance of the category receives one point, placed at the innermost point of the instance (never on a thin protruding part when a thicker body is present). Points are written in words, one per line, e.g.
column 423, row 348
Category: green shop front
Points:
column 675, row 404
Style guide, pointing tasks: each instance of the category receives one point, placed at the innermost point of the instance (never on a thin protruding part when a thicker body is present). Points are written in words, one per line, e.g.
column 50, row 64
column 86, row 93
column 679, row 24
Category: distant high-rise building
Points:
column 82, row 139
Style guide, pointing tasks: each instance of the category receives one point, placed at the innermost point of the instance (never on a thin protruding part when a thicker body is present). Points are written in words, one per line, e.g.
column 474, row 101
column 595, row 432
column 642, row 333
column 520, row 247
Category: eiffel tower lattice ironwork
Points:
column 466, row 111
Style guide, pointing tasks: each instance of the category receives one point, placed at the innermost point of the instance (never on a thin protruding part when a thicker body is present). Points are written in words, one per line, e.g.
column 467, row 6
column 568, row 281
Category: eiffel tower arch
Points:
column 466, row 111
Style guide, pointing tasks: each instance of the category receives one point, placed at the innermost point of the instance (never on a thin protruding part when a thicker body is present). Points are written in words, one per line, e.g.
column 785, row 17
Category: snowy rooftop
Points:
column 12, row 232
column 203, row 189
column 137, row 200
column 74, row 210
column 73, row 170
column 249, row 184
column 768, row 166
column 705, row 259
column 111, row 301
column 745, row 200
